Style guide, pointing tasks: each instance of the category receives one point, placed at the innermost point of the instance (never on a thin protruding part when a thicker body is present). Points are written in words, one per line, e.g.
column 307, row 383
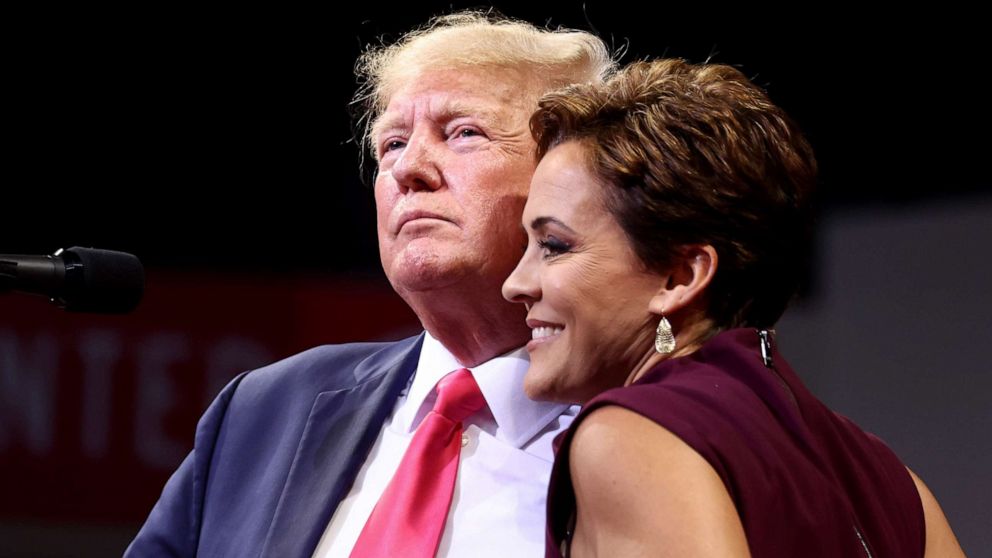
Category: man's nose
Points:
column 418, row 166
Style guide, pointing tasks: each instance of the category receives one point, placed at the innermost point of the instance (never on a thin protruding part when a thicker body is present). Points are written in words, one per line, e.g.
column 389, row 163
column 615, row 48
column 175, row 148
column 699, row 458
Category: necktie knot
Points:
column 458, row 396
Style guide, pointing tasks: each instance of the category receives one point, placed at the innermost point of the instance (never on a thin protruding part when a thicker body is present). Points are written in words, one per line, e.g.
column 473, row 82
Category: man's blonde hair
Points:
column 475, row 39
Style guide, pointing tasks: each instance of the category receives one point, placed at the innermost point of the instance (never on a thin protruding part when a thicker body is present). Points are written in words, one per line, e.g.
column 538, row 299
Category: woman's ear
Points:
column 691, row 273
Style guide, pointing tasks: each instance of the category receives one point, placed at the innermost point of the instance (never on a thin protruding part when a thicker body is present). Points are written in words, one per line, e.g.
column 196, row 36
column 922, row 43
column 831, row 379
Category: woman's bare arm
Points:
column 941, row 541
column 641, row 491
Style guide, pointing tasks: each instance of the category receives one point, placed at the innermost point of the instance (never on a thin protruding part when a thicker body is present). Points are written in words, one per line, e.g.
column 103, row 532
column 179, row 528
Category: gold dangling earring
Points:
column 664, row 339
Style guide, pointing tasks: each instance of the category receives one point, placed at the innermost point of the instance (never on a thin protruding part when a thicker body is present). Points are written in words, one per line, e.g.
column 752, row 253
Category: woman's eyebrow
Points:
column 541, row 221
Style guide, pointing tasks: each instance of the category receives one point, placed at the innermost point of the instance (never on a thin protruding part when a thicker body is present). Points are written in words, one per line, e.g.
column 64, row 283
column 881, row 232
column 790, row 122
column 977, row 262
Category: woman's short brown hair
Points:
column 697, row 154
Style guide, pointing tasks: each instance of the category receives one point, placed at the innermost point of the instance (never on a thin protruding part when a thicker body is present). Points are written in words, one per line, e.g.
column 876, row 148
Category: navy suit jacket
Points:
column 276, row 452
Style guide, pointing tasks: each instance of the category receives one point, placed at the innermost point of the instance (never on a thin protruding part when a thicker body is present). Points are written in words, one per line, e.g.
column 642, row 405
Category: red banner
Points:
column 97, row 411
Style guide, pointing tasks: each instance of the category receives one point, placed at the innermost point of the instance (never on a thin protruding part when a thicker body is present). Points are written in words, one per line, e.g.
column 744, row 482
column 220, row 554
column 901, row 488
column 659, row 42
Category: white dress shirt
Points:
column 498, row 506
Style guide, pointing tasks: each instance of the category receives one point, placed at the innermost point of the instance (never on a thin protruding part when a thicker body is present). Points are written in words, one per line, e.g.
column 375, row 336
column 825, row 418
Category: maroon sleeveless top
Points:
column 805, row 480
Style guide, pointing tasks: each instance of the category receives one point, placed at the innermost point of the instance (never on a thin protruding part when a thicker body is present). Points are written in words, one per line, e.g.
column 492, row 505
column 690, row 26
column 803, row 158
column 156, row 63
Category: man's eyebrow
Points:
column 384, row 123
column 450, row 111
column 457, row 109
column 541, row 221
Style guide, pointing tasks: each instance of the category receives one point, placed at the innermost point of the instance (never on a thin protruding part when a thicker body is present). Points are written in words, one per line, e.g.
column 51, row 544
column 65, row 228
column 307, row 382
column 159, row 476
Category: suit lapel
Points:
column 340, row 431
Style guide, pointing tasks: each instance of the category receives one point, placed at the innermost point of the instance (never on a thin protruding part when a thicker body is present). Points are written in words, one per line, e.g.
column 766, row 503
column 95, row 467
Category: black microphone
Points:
column 78, row 279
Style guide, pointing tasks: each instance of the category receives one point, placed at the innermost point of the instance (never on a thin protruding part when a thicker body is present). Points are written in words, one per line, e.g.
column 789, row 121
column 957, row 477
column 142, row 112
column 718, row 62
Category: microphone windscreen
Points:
column 104, row 281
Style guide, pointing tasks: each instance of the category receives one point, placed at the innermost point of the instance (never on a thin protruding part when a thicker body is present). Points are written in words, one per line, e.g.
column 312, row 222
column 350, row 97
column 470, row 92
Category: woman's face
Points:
column 587, row 291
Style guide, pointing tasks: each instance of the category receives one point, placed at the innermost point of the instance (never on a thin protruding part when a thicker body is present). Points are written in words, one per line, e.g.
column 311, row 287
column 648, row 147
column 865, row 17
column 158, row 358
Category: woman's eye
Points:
column 552, row 247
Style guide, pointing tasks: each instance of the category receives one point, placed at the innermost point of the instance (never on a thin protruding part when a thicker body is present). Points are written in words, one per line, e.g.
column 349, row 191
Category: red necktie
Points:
column 409, row 518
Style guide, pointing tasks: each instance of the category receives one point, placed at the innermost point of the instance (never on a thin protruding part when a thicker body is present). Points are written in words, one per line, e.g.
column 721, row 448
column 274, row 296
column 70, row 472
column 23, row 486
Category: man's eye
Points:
column 392, row 145
column 466, row 133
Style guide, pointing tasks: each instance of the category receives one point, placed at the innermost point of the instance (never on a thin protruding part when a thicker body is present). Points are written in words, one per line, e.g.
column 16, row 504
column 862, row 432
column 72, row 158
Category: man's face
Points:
column 455, row 162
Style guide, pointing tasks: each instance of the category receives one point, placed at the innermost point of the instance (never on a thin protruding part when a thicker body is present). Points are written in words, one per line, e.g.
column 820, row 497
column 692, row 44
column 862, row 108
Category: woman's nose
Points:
column 522, row 285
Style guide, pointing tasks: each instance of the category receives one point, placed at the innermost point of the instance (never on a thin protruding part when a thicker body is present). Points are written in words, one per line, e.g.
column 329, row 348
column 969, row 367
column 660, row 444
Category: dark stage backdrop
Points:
column 215, row 144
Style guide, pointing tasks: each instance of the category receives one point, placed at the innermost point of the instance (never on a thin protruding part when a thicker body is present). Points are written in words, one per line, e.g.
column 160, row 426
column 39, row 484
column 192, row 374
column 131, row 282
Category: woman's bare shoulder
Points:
column 642, row 490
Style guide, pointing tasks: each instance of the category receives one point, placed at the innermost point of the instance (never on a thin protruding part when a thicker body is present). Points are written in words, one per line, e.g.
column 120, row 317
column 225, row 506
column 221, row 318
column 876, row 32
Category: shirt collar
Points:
column 501, row 380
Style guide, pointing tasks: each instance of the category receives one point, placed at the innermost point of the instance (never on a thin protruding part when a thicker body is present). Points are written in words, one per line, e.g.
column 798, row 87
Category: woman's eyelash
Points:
column 553, row 246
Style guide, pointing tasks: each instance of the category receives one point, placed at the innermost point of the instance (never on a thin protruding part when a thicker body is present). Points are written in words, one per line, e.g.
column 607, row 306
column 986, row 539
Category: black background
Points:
column 221, row 139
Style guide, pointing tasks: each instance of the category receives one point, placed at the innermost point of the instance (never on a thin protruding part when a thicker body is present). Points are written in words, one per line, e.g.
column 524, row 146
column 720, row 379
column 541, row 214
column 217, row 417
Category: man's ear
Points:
column 690, row 274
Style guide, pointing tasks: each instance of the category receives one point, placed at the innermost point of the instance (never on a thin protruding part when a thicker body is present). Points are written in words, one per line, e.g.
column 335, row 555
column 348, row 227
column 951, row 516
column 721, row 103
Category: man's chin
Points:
column 424, row 275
